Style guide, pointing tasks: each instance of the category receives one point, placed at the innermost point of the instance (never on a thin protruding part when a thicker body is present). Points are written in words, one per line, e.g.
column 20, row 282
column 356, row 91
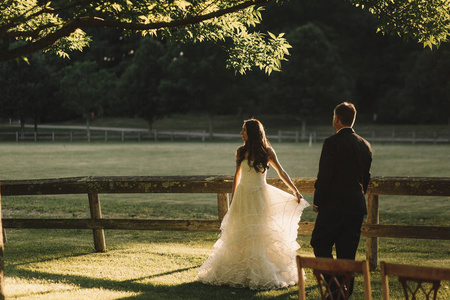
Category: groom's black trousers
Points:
column 341, row 229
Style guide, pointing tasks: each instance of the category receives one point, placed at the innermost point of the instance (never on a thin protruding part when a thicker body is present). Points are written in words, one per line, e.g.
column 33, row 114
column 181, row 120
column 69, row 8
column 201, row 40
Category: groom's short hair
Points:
column 346, row 112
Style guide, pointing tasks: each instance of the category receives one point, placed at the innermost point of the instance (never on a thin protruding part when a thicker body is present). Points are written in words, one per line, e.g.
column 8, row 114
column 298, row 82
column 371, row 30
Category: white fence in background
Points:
column 127, row 134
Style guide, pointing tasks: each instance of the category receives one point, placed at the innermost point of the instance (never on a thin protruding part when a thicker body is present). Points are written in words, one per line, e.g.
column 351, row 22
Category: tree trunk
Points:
column 210, row 126
column 88, row 131
column 150, row 122
column 22, row 124
column 303, row 129
column 36, row 120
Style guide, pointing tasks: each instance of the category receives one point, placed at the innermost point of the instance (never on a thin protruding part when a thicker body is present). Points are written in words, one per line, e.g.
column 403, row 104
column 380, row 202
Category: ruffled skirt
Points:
column 258, row 241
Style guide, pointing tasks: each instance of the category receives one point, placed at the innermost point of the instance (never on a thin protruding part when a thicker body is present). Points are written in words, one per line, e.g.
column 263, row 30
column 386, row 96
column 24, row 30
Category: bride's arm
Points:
column 237, row 177
column 273, row 160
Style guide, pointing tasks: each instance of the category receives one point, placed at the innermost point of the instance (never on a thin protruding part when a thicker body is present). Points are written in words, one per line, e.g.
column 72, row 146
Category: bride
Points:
column 257, row 244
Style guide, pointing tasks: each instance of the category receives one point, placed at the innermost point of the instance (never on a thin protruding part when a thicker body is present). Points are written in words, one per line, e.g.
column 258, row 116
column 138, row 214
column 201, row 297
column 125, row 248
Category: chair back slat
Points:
column 415, row 280
column 339, row 272
column 417, row 272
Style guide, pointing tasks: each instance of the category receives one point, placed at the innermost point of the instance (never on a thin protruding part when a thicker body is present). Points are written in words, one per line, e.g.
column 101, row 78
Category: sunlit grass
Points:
column 62, row 264
column 157, row 265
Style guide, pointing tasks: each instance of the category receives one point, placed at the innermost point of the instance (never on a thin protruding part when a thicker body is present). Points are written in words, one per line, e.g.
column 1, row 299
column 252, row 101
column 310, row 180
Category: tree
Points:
column 375, row 62
column 84, row 89
column 27, row 90
column 207, row 82
column 59, row 26
column 424, row 95
column 138, row 87
column 315, row 77
column 428, row 22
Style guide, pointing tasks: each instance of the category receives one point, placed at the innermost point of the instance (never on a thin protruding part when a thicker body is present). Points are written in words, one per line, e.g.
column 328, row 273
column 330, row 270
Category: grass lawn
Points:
column 62, row 264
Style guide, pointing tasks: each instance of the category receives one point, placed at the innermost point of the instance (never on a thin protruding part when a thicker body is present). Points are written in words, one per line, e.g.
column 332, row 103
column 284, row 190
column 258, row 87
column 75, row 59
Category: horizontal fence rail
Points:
column 220, row 185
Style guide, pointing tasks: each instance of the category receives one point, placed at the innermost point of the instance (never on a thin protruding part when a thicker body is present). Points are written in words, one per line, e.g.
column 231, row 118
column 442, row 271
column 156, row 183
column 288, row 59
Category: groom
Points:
column 344, row 174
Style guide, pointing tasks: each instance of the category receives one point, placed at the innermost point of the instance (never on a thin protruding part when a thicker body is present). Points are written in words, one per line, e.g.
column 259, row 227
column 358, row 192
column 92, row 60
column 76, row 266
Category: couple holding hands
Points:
column 258, row 241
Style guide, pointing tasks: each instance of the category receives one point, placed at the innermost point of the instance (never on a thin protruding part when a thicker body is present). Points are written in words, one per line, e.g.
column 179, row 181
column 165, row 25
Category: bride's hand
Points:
column 299, row 196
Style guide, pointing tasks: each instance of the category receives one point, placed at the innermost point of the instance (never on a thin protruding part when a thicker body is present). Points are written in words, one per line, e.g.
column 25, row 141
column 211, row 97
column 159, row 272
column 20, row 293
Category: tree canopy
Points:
column 59, row 26
column 336, row 55
column 427, row 21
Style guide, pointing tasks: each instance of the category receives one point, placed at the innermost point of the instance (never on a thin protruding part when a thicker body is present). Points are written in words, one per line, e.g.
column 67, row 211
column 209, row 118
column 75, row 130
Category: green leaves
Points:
column 257, row 49
column 75, row 41
column 58, row 26
column 245, row 49
column 427, row 22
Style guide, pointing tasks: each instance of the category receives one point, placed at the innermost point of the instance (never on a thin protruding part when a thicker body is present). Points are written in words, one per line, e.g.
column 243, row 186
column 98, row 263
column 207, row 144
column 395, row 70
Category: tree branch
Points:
column 96, row 22
column 19, row 19
column 40, row 44
column 71, row 26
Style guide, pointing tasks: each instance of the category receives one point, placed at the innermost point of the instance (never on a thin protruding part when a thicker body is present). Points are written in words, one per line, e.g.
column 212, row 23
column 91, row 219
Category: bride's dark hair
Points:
column 256, row 145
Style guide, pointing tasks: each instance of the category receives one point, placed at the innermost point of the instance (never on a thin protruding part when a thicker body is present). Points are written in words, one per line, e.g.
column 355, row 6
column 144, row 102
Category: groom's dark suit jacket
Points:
column 344, row 173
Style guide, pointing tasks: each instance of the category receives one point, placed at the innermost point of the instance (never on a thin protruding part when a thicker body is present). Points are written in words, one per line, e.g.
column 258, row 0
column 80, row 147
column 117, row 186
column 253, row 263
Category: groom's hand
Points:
column 315, row 208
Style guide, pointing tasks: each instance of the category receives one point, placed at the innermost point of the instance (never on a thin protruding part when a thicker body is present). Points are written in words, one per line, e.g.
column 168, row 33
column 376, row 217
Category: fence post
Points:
column 17, row 136
column 2, row 261
column 71, row 135
column 96, row 213
column 53, row 136
column 372, row 242
column 414, row 136
column 222, row 205
column 279, row 136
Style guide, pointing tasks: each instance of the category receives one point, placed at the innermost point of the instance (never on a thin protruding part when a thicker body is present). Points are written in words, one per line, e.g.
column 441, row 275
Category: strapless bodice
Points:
column 250, row 178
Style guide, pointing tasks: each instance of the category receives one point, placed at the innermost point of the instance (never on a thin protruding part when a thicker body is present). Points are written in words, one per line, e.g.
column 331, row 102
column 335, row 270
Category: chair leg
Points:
column 367, row 286
column 384, row 282
column 301, row 281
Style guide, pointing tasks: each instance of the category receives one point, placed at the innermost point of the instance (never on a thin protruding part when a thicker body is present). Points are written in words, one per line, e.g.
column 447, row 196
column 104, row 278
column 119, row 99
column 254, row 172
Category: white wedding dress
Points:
column 257, row 244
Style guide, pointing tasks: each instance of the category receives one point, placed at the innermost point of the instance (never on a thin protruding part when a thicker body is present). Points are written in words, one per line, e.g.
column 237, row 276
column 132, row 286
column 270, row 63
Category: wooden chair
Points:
column 416, row 276
column 334, row 268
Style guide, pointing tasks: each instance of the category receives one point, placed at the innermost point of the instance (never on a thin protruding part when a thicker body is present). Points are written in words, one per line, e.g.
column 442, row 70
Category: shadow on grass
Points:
column 189, row 290
column 49, row 259
column 64, row 244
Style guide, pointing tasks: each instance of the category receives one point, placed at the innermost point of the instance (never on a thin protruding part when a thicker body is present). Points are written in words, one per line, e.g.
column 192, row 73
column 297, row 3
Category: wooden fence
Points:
column 220, row 185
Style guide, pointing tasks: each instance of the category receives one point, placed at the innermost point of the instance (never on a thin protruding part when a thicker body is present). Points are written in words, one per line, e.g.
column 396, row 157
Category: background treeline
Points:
column 337, row 55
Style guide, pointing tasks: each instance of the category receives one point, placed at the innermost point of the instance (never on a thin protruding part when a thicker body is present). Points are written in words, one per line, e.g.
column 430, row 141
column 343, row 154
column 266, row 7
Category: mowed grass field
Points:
column 62, row 264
